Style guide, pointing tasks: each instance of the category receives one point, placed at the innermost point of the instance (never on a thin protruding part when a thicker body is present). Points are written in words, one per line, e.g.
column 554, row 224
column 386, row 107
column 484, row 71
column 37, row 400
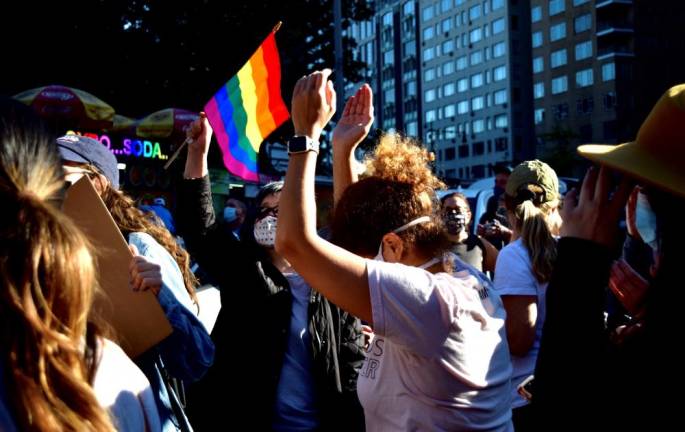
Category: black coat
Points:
column 251, row 331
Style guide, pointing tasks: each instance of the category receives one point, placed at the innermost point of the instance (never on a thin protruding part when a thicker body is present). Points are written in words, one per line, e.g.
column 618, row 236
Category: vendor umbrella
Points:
column 69, row 107
column 170, row 122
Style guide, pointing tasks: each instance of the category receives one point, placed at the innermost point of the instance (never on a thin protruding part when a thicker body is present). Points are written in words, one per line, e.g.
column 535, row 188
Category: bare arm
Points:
column 353, row 127
column 522, row 313
column 336, row 273
column 200, row 134
column 491, row 253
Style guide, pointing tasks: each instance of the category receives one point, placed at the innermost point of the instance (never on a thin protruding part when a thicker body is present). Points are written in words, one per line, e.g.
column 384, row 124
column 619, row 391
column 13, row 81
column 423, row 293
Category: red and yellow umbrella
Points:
column 71, row 106
column 165, row 123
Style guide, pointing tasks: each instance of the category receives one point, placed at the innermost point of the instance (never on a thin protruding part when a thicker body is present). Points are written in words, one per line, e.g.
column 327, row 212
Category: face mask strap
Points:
column 419, row 220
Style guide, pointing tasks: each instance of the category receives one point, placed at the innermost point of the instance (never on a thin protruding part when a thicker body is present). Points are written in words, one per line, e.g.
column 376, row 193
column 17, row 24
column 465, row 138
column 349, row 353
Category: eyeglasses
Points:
column 267, row 211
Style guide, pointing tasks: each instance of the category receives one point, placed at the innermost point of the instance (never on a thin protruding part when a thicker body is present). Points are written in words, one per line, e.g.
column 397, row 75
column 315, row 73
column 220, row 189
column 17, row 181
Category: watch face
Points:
column 297, row 144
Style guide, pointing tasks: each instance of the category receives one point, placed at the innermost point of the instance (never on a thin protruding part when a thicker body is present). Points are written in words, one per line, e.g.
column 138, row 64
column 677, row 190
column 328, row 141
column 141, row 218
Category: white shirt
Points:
column 439, row 360
column 514, row 276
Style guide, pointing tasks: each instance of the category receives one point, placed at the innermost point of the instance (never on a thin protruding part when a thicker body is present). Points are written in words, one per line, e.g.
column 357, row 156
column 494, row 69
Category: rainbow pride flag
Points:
column 247, row 109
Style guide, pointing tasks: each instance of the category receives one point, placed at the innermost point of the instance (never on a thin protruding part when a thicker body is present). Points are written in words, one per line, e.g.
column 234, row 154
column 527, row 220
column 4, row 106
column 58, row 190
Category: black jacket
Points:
column 252, row 329
column 586, row 381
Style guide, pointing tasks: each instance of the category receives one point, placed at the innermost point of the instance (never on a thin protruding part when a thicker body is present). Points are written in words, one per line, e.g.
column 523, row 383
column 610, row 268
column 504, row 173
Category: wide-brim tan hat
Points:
column 657, row 156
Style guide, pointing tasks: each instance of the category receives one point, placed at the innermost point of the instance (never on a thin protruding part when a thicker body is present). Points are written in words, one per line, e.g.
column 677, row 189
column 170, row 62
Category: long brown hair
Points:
column 48, row 281
column 130, row 218
column 399, row 187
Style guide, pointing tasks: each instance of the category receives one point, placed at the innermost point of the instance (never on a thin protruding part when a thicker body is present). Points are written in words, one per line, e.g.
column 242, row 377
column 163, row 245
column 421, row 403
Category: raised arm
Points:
column 353, row 127
column 336, row 273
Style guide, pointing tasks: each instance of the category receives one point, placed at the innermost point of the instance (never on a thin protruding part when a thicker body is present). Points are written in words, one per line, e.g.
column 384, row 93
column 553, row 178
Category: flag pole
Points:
column 277, row 27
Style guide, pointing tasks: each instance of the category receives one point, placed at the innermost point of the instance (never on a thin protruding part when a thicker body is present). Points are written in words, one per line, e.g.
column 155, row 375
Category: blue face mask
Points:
column 230, row 214
column 645, row 221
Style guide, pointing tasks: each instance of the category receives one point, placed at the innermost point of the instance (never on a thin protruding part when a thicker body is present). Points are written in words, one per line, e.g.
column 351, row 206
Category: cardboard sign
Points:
column 137, row 317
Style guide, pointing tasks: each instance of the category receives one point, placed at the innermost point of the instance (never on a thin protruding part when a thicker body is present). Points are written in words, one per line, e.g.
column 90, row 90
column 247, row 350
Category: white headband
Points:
column 408, row 225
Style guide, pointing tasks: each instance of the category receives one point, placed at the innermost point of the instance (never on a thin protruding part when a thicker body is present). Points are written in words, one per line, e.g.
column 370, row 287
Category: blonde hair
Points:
column 48, row 282
column 398, row 187
column 532, row 219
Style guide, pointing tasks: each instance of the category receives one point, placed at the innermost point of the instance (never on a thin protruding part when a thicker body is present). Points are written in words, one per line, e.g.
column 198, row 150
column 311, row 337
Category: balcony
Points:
column 606, row 28
column 614, row 51
column 609, row 3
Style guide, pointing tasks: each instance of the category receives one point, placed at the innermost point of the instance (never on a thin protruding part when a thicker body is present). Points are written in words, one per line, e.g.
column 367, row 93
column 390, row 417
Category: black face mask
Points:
column 455, row 222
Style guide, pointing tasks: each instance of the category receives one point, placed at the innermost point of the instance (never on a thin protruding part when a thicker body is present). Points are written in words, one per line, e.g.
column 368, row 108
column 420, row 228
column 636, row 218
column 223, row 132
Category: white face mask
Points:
column 419, row 220
column 265, row 231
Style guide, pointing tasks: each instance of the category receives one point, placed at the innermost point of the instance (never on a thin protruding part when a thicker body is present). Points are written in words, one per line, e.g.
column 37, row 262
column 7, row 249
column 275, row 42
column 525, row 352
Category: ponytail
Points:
column 535, row 228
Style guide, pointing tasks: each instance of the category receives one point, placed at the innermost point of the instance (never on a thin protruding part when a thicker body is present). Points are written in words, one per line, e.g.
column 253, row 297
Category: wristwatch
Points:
column 302, row 144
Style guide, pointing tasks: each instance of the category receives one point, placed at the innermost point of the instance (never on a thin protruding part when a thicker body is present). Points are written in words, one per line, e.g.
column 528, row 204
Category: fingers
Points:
column 349, row 106
column 331, row 96
column 603, row 185
column 570, row 202
column 624, row 191
column 367, row 100
column 133, row 249
column 587, row 190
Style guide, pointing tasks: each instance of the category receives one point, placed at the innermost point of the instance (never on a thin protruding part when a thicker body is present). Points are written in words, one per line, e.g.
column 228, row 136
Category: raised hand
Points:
column 313, row 104
column 199, row 135
column 356, row 121
column 597, row 212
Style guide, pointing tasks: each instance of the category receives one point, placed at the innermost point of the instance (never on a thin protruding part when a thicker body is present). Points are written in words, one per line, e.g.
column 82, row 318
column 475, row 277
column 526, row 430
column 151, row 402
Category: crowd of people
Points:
column 398, row 316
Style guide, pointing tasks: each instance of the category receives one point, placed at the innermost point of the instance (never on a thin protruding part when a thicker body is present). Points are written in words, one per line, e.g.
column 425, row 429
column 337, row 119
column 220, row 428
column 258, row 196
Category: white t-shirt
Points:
column 439, row 360
column 514, row 276
column 124, row 391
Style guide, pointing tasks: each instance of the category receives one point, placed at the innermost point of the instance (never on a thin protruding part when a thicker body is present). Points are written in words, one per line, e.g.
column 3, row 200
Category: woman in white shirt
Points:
column 524, row 267
column 439, row 359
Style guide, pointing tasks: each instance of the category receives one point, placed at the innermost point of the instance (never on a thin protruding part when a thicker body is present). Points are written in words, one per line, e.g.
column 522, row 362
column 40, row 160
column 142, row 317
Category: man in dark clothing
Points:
column 258, row 351
column 493, row 224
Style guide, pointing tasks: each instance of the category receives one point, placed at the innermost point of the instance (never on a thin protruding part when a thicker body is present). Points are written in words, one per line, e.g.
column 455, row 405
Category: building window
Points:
column 538, row 64
column 500, row 97
column 559, row 85
column 497, row 4
column 609, row 101
column 462, row 63
column 476, row 80
column 560, row 111
column 463, row 107
column 478, row 126
column 429, row 75
column 579, row 2
column 388, row 58
column 447, row 68
column 445, row 5
column 449, row 113
column 583, row 50
column 427, row 13
column 476, row 57
column 448, row 89
column 501, row 144
column 428, row 33
column 499, row 49
column 557, row 31
column 447, row 46
column 584, row 78
column 410, row 88
column 536, row 14
column 558, row 58
column 446, row 25
column 462, row 85
column 501, row 121
column 478, row 149
column 585, row 106
column 475, row 35
column 477, row 103
column 499, row 73
column 556, row 7
column 430, row 116
column 498, row 26
column 450, row 153
column 539, row 90
column 463, row 151
column 608, row 71
column 474, row 12
column 582, row 23
column 539, row 115
column 428, row 54
column 429, row 95
column 537, row 39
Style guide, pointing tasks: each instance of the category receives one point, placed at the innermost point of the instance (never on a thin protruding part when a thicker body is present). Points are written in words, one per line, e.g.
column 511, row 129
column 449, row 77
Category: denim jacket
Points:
column 189, row 351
